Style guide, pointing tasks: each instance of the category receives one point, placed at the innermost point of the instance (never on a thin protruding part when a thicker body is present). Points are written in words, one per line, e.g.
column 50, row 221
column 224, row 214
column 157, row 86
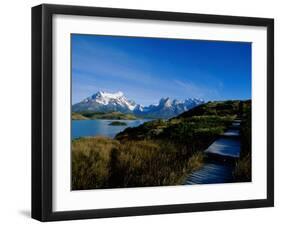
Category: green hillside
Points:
column 203, row 123
column 77, row 116
column 102, row 115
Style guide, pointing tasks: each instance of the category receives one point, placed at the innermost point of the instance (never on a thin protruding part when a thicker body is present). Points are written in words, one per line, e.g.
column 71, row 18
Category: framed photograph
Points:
column 145, row 112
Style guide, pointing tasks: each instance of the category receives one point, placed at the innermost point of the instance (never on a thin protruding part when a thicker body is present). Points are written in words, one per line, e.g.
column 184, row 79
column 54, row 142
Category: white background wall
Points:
column 15, row 113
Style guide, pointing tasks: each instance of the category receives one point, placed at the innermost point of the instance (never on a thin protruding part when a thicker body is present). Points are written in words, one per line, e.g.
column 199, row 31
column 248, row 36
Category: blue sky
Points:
column 147, row 69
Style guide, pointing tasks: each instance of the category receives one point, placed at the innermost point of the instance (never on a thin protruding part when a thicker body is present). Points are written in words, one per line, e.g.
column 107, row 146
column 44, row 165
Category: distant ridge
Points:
column 118, row 102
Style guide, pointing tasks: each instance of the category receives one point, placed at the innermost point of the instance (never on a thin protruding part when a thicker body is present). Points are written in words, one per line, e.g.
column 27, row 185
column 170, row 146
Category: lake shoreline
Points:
column 102, row 127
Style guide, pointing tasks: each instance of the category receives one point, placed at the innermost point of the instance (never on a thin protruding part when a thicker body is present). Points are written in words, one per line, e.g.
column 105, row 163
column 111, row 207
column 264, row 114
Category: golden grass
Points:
column 100, row 162
column 90, row 159
column 242, row 171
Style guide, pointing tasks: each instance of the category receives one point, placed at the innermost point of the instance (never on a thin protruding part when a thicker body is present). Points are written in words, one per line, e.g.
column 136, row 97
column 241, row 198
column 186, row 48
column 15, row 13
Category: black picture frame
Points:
column 42, row 111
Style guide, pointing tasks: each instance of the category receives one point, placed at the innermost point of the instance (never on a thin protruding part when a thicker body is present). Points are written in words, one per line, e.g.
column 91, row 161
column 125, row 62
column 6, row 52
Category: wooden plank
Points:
column 232, row 133
column 226, row 147
column 211, row 174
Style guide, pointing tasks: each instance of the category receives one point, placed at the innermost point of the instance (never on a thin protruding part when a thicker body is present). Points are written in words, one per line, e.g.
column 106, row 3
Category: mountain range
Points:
column 117, row 102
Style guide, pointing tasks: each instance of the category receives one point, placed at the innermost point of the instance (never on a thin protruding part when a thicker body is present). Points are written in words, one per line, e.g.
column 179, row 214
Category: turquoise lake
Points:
column 99, row 127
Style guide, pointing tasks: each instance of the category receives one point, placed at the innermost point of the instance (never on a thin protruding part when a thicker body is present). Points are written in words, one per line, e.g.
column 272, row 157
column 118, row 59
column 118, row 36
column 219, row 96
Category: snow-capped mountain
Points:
column 168, row 108
column 105, row 102
column 109, row 102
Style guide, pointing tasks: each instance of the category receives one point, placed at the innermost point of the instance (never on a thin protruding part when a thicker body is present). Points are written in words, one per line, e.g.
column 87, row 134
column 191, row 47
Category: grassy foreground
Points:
column 100, row 162
column 159, row 152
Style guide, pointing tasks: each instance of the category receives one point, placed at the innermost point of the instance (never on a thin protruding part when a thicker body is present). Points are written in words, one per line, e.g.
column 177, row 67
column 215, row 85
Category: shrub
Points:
column 242, row 171
column 243, row 168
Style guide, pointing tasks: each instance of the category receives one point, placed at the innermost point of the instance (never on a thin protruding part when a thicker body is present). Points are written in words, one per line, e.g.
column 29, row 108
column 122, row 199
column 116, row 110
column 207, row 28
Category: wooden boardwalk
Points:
column 211, row 173
column 221, row 155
